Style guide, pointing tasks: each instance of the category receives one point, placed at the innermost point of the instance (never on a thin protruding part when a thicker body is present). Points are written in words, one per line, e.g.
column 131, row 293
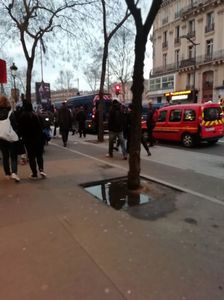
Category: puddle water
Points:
column 150, row 204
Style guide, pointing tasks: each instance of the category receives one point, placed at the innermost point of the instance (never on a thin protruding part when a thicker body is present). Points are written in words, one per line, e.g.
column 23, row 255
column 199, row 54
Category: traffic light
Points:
column 117, row 89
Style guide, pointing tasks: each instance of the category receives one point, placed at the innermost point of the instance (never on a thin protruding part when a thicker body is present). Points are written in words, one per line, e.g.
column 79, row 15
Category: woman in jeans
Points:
column 8, row 149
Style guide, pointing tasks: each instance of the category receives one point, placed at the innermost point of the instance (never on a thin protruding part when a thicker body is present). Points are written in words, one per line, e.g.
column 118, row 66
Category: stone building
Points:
column 188, row 51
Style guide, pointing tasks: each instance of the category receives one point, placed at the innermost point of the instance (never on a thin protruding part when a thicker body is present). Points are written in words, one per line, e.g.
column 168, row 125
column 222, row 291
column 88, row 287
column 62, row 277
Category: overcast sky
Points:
column 51, row 69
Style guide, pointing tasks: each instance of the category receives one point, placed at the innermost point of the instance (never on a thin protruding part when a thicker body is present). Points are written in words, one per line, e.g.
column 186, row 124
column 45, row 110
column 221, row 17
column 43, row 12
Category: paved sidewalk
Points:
column 59, row 243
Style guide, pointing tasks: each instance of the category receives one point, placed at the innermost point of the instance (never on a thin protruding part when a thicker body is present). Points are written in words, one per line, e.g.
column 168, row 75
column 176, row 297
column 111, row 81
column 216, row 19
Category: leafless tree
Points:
column 121, row 56
column 142, row 31
column 108, row 33
column 34, row 21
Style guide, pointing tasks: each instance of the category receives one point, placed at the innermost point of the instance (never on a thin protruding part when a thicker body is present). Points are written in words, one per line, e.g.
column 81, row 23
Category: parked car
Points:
column 190, row 124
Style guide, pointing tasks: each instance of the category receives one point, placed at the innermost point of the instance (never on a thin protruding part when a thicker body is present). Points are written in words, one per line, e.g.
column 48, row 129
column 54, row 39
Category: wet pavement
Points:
column 150, row 202
column 58, row 242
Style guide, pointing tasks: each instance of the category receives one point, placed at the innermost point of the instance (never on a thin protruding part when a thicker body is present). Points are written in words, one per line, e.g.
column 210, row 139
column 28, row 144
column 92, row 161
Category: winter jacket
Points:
column 64, row 118
column 116, row 119
column 30, row 127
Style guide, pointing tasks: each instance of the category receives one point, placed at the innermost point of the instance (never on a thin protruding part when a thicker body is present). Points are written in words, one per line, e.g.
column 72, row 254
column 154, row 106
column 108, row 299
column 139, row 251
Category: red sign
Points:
column 3, row 73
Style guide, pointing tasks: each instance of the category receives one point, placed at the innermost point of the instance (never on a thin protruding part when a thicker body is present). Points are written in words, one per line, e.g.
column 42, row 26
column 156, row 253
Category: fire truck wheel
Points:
column 188, row 140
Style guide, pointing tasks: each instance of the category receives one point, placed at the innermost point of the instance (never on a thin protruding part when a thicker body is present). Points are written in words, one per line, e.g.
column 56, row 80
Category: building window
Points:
column 190, row 52
column 210, row 22
column 164, row 60
column 165, row 44
column 191, row 28
column 177, row 34
column 155, row 84
column 177, row 57
column 209, row 49
column 189, row 81
column 168, row 82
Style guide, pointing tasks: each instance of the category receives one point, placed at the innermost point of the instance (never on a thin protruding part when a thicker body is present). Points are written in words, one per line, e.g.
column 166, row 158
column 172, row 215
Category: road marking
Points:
column 174, row 186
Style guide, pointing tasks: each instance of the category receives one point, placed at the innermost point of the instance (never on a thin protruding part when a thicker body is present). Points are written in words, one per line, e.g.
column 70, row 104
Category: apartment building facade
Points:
column 188, row 52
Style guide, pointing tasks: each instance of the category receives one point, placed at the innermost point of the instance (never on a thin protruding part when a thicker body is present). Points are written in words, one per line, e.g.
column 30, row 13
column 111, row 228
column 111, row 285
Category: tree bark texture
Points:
column 137, row 90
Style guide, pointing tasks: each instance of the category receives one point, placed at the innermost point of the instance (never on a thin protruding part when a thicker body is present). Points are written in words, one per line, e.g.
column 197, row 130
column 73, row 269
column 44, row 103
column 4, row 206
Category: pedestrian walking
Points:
column 150, row 121
column 75, row 111
column 8, row 143
column 55, row 121
column 64, row 122
column 31, row 131
column 81, row 119
column 128, row 130
column 115, row 126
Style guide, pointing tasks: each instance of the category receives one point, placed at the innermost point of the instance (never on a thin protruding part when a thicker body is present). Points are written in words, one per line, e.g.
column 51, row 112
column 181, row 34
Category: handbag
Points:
column 6, row 131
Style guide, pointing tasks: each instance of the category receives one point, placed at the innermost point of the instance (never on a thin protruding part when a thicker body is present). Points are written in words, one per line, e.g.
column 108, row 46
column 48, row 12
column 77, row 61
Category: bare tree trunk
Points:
column 142, row 31
column 101, row 93
column 137, row 90
column 28, row 79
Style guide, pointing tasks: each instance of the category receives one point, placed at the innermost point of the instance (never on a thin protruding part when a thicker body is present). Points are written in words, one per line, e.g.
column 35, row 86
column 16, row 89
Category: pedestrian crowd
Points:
column 21, row 131
column 25, row 132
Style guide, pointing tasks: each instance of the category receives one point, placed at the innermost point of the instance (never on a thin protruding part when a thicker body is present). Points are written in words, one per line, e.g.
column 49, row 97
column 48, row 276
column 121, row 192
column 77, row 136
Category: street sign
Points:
column 3, row 72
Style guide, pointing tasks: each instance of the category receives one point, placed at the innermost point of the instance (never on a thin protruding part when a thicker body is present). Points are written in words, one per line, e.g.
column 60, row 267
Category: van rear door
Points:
column 212, row 125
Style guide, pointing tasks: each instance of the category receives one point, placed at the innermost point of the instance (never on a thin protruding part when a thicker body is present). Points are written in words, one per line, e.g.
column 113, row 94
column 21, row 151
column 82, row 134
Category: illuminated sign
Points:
column 179, row 97
column 187, row 92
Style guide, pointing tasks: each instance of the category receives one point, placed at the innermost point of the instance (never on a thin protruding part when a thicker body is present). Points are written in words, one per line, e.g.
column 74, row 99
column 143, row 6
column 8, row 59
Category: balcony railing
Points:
column 187, row 62
column 200, row 60
column 210, row 27
column 199, row 3
column 165, row 44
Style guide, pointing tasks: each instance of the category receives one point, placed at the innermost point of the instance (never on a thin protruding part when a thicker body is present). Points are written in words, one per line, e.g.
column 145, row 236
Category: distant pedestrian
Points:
column 65, row 122
column 75, row 126
column 81, row 119
column 150, row 121
column 8, row 148
column 55, row 121
column 115, row 126
column 31, row 131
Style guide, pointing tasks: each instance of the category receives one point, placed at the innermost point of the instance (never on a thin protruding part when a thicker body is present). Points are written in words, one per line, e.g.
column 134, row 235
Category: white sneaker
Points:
column 43, row 174
column 15, row 177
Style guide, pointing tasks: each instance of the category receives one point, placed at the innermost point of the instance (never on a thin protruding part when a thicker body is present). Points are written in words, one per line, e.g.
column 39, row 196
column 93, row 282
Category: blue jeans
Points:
column 112, row 136
column 9, row 153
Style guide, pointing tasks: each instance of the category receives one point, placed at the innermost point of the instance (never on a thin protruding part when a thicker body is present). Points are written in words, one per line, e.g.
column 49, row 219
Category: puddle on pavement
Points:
column 153, row 201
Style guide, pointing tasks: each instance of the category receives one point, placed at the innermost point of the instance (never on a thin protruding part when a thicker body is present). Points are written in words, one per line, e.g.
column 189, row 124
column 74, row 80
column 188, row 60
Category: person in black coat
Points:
column 31, row 131
column 116, row 126
column 81, row 118
column 65, row 122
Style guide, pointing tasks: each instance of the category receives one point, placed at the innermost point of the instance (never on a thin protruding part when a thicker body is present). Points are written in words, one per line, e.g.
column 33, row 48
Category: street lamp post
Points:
column 195, row 64
column 14, row 69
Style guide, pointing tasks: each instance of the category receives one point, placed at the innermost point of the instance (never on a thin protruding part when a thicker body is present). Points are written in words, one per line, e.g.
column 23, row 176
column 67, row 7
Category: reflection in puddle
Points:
column 115, row 194
column 158, row 200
